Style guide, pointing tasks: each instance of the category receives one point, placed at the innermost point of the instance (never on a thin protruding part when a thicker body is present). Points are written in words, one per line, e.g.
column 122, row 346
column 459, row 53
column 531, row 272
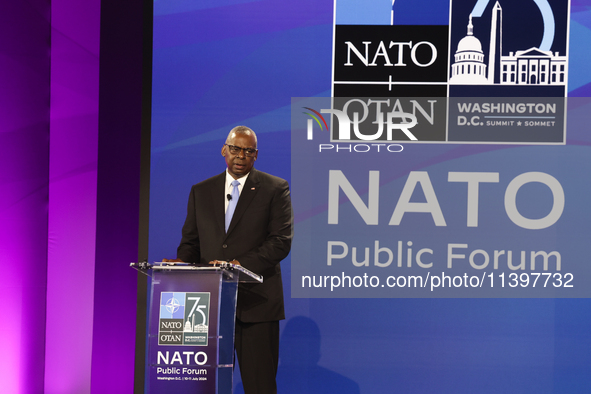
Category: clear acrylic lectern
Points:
column 190, row 333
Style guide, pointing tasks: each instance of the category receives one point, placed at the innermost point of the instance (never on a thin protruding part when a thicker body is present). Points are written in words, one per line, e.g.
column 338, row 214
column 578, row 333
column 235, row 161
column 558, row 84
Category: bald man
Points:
column 258, row 237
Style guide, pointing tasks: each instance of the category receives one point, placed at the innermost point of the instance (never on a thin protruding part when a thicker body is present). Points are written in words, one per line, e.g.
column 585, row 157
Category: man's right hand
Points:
column 172, row 261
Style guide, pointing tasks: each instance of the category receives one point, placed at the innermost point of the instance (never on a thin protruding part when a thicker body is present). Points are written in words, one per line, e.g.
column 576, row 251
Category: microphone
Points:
column 229, row 197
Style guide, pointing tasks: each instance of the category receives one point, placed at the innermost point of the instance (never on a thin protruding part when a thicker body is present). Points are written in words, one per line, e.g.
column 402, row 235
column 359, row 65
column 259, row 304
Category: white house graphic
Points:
column 533, row 67
column 527, row 67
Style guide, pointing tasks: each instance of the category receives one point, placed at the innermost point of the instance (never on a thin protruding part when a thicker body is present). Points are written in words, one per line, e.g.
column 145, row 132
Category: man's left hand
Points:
column 215, row 262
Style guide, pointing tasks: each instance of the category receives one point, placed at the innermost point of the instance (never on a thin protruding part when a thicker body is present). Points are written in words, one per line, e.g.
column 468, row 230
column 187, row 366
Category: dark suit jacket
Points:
column 259, row 237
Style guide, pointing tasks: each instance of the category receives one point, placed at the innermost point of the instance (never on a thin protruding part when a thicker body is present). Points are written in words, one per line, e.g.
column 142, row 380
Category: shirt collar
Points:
column 230, row 179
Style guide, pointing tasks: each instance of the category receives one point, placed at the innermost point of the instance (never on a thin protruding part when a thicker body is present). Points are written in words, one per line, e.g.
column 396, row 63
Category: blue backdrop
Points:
column 218, row 64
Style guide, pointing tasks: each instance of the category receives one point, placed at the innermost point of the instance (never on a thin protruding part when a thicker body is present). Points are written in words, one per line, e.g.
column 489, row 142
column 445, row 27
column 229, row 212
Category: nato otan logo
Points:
column 184, row 319
column 537, row 64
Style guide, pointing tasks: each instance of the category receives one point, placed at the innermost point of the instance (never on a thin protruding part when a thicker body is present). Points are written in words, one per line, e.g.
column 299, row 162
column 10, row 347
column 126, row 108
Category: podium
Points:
column 190, row 326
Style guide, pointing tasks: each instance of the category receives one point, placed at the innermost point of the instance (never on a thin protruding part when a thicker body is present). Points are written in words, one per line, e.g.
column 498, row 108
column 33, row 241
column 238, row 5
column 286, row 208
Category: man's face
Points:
column 239, row 164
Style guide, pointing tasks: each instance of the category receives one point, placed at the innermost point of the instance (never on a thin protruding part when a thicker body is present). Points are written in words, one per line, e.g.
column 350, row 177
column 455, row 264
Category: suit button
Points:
column 224, row 246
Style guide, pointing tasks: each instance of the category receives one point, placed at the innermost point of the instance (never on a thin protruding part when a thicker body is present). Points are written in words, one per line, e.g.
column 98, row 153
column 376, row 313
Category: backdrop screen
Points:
column 458, row 148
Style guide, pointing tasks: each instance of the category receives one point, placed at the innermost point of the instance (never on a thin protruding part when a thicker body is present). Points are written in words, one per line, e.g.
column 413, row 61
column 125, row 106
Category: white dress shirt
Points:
column 229, row 187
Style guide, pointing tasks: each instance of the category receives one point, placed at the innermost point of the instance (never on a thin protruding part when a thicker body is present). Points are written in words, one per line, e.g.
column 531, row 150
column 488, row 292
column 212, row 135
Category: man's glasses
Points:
column 248, row 152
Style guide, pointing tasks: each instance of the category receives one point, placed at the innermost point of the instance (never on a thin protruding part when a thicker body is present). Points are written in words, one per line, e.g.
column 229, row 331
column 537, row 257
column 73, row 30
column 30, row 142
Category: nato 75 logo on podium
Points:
column 184, row 319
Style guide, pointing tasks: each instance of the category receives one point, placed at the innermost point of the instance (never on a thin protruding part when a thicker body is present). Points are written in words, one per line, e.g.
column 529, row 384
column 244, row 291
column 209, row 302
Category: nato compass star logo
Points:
column 172, row 305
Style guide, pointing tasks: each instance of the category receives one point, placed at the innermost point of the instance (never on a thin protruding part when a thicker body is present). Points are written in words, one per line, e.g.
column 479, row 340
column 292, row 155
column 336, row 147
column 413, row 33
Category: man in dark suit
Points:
column 258, row 237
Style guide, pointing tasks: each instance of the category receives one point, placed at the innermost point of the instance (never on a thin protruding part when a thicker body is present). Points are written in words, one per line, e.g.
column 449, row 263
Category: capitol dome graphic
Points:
column 469, row 67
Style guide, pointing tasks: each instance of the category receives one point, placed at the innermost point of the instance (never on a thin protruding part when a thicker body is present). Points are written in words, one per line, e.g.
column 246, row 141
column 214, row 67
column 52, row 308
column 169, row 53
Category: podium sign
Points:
column 183, row 332
column 191, row 318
